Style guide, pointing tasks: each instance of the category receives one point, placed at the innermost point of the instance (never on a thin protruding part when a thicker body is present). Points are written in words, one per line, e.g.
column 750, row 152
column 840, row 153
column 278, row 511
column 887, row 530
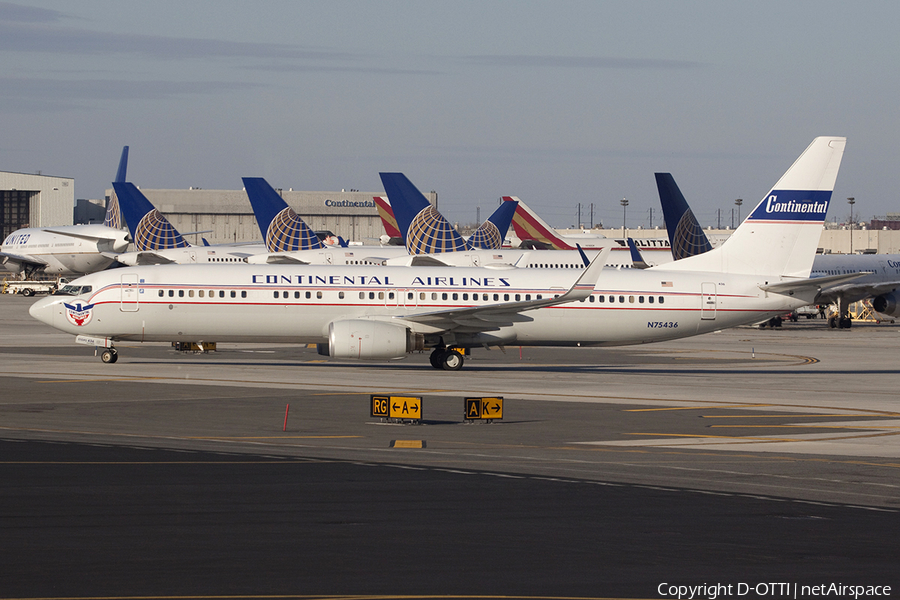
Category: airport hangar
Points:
column 36, row 200
column 28, row 200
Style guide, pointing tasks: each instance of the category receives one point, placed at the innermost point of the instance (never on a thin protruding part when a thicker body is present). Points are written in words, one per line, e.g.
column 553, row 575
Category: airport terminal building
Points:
column 28, row 200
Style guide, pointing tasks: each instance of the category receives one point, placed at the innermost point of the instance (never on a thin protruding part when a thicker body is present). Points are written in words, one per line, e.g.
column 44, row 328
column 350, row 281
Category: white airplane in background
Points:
column 157, row 242
column 433, row 233
column 68, row 249
column 533, row 232
column 384, row 313
column 878, row 274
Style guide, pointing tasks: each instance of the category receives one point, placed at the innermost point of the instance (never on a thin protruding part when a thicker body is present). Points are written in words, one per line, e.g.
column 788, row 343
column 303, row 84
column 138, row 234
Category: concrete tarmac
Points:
column 804, row 417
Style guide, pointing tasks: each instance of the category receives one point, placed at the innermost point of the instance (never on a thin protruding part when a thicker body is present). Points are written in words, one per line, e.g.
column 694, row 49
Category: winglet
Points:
column 637, row 260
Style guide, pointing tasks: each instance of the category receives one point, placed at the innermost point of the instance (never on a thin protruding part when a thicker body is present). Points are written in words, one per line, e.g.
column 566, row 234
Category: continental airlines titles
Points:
column 793, row 206
column 350, row 203
column 380, row 280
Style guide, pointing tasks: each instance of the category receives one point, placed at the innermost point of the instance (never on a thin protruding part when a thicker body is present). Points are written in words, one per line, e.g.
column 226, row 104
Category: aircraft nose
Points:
column 42, row 310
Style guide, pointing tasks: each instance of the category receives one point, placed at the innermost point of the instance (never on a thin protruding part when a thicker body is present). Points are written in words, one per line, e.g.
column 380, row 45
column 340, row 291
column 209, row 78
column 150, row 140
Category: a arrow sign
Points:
column 484, row 408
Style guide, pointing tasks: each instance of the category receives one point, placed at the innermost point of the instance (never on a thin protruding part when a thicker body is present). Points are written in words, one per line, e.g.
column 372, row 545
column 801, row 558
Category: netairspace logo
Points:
column 772, row 590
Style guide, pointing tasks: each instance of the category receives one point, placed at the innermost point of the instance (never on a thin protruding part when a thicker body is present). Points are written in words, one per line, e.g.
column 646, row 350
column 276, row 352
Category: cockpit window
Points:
column 73, row 290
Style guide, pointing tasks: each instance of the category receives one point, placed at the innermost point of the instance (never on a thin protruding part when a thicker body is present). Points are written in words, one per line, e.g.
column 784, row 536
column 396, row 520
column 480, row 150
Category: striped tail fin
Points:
column 388, row 220
column 529, row 226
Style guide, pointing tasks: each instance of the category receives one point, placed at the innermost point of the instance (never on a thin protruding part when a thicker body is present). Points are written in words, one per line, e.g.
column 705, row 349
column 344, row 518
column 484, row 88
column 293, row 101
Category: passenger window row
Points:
column 422, row 296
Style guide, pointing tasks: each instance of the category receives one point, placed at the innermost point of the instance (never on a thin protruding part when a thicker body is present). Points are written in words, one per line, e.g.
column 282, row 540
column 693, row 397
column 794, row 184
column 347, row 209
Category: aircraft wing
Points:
column 853, row 292
column 493, row 316
column 811, row 283
column 6, row 257
column 82, row 236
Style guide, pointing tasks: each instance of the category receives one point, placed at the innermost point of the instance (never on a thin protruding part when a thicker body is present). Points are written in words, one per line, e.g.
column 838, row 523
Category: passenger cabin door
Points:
column 708, row 301
column 129, row 289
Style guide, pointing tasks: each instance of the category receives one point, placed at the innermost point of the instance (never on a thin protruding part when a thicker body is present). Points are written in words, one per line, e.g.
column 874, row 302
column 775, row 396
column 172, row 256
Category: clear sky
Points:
column 555, row 102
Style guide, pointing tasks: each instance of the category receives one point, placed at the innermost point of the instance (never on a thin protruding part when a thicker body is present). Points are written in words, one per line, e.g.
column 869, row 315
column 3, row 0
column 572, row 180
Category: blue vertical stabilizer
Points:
column 149, row 229
column 281, row 228
column 113, row 213
column 491, row 233
column 426, row 230
column 686, row 237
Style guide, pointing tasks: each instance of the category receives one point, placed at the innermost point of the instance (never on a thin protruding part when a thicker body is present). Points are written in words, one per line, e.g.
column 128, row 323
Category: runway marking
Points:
column 272, row 437
column 781, row 416
column 135, row 378
column 284, row 461
column 706, row 436
column 808, row 426
column 692, row 407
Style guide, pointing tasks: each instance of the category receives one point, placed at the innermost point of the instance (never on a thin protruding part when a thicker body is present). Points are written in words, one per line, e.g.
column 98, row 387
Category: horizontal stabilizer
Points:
column 152, row 258
column 284, row 259
column 811, row 283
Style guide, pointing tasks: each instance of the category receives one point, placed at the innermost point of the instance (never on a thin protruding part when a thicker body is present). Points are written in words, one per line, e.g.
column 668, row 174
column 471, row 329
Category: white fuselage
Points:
column 883, row 267
column 65, row 250
column 525, row 259
column 287, row 303
column 399, row 256
column 218, row 254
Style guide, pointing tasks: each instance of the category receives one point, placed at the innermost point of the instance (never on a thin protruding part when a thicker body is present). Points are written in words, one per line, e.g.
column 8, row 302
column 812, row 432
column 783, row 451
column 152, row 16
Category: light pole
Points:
column 738, row 202
column 624, row 203
column 851, row 202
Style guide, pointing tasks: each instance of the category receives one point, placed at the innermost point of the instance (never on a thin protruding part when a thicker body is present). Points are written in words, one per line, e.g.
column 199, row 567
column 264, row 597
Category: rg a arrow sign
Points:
column 403, row 407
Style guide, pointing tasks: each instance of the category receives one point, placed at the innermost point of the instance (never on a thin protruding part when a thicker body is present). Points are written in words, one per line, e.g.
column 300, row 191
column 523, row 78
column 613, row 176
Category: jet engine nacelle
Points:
column 888, row 304
column 369, row 340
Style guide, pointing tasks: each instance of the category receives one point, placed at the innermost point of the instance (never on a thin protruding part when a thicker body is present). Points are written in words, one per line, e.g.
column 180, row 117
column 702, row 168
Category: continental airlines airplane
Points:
column 385, row 313
column 69, row 249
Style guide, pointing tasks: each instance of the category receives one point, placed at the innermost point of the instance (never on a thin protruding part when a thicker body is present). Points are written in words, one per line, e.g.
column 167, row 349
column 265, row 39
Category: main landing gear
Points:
column 841, row 318
column 447, row 359
column 109, row 355
column 840, row 322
